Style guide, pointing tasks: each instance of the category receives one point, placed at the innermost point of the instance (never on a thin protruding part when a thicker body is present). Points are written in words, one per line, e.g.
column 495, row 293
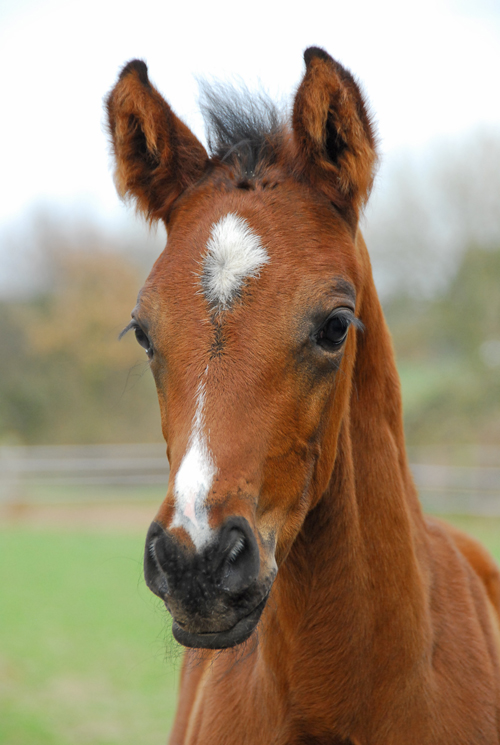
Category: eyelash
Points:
column 141, row 336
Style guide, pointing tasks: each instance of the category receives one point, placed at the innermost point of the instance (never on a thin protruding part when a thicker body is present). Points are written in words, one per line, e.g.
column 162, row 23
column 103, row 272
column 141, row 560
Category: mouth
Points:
column 238, row 634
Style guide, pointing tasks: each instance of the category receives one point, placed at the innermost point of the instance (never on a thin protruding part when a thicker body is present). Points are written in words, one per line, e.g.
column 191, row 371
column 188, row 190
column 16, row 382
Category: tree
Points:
column 64, row 376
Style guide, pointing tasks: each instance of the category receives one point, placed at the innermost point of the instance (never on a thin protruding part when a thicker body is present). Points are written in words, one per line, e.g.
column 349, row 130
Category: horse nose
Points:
column 229, row 564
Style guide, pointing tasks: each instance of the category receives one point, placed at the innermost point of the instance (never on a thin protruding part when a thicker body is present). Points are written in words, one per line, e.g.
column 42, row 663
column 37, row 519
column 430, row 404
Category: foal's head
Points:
column 249, row 322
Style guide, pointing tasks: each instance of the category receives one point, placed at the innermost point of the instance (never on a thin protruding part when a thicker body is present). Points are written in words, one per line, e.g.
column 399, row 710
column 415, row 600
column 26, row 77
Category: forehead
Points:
column 224, row 242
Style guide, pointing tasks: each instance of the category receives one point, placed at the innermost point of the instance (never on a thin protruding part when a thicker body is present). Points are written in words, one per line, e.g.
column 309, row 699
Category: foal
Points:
column 291, row 525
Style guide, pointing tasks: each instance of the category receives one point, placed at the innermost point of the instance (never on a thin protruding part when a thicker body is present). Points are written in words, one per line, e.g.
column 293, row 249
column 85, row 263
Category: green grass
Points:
column 422, row 382
column 85, row 649
column 86, row 656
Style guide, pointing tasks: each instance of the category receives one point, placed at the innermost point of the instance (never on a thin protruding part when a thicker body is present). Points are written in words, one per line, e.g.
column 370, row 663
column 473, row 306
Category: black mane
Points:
column 243, row 128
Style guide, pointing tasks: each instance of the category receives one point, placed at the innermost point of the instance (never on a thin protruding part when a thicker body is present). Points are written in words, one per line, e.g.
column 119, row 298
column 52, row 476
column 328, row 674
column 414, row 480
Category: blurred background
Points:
column 85, row 651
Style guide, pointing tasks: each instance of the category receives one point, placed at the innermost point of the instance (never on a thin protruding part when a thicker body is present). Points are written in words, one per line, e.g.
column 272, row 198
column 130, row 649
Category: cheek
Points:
column 316, row 388
column 294, row 449
column 164, row 409
column 301, row 456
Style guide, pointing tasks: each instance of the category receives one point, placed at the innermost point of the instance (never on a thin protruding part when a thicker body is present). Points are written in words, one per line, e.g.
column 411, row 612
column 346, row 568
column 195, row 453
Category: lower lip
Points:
column 240, row 632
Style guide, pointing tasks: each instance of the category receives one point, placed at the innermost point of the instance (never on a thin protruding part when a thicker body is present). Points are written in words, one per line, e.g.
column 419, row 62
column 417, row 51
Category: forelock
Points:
column 242, row 128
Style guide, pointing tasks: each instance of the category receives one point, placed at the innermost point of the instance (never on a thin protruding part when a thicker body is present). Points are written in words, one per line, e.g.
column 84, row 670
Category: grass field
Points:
column 86, row 656
column 85, row 649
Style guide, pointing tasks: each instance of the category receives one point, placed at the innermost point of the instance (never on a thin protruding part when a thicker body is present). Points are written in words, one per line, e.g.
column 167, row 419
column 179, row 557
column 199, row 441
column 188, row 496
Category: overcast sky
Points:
column 430, row 70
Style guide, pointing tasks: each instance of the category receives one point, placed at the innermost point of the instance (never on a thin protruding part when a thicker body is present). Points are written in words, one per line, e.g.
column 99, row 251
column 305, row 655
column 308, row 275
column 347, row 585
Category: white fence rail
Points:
column 137, row 472
column 460, row 490
column 69, row 473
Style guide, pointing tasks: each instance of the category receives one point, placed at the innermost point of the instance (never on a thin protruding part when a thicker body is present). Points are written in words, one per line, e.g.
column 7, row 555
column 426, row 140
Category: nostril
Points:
column 241, row 561
column 162, row 579
column 155, row 577
column 236, row 547
column 152, row 553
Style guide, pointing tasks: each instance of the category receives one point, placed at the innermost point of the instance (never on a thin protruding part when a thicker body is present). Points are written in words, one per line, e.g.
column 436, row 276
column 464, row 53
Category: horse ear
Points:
column 156, row 156
column 334, row 137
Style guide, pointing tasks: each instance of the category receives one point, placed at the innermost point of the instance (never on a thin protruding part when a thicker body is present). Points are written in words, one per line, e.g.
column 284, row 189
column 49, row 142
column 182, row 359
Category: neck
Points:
column 353, row 577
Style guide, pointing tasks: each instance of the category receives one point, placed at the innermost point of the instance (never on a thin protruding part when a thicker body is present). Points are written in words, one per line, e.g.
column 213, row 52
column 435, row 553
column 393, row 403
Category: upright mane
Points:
column 243, row 128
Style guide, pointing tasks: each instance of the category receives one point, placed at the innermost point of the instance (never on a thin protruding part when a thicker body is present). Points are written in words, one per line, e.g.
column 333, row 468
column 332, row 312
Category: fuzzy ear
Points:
column 157, row 157
column 334, row 138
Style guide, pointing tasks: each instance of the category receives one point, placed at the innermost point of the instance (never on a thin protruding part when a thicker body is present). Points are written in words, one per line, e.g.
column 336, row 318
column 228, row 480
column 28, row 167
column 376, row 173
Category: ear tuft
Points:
column 138, row 66
column 312, row 52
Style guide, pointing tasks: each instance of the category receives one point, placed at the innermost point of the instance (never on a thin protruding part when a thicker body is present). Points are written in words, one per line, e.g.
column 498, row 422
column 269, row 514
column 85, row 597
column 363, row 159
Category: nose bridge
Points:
column 192, row 477
column 237, row 421
column 216, row 475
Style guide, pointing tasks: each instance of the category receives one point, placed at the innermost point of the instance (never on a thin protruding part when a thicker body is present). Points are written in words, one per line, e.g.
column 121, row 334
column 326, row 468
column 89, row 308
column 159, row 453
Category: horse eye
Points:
column 143, row 341
column 333, row 333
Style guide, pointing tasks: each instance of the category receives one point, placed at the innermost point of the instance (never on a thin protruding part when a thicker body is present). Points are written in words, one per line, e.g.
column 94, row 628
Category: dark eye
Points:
column 334, row 331
column 143, row 341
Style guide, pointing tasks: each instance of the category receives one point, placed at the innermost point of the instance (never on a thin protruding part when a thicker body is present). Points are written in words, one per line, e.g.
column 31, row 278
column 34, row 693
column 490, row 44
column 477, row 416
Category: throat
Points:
column 345, row 593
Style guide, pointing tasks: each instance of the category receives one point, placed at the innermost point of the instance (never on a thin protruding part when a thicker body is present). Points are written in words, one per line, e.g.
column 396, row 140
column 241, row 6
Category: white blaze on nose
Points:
column 234, row 253
column 193, row 482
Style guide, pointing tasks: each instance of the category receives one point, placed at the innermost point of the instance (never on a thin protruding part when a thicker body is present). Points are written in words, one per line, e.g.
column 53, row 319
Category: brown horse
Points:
column 291, row 526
